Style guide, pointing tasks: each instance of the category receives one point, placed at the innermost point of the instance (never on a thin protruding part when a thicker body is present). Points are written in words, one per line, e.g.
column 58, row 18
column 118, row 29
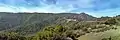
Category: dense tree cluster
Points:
column 71, row 30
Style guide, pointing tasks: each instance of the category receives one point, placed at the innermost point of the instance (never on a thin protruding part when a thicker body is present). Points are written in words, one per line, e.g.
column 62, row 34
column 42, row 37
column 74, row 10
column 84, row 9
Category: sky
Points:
column 96, row 8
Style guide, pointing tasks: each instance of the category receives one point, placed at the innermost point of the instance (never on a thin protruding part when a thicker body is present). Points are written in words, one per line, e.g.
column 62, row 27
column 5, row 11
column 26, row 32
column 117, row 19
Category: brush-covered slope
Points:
column 33, row 22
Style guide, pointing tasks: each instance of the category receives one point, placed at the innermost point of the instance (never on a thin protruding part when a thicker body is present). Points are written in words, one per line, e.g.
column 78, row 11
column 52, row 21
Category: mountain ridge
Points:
column 30, row 23
column 27, row 19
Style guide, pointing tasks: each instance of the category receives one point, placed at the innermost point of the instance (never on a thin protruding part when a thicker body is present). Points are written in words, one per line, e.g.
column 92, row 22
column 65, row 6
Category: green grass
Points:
column 101, row 35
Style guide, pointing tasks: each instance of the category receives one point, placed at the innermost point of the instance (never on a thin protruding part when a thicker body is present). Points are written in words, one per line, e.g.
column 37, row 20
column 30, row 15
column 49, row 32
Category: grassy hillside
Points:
column 50, row 26
column 33, row 22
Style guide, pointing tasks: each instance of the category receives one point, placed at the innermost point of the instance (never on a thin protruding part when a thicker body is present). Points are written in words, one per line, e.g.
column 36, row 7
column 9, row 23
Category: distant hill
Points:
column 34, row 22
column 82, row 17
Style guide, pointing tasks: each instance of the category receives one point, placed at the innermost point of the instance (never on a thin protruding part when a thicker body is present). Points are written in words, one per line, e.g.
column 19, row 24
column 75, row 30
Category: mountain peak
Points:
column 83, row 13
column 82, row 17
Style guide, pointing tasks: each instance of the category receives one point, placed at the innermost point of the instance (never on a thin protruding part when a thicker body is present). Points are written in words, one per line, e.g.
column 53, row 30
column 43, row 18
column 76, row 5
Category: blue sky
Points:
column 93, row 7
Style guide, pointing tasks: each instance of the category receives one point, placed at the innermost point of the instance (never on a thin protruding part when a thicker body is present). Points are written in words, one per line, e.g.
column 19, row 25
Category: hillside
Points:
column 51, row 25
column 29, row 21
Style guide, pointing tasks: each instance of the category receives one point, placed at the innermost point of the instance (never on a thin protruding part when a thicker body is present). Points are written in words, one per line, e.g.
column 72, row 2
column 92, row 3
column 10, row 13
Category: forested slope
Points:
column 50, row 26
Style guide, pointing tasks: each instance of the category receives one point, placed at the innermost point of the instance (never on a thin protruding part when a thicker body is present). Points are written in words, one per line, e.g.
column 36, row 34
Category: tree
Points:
column 111, row 21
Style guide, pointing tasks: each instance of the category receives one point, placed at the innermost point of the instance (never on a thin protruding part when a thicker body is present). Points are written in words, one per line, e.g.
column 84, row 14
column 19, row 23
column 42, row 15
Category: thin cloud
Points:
column 93, row 7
